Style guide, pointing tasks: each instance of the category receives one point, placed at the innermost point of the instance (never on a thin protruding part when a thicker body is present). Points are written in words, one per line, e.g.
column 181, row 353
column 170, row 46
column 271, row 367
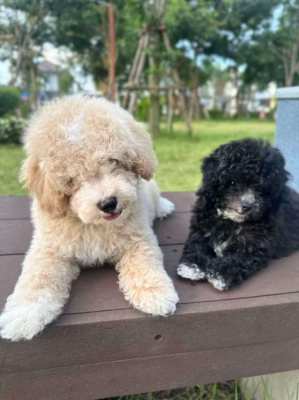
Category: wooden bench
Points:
column 101, row 347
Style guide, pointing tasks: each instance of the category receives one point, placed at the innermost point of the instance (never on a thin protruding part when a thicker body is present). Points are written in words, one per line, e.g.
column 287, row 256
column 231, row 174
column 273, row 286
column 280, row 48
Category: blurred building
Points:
column 226, row 98
column 262, row 102
column 49, row 75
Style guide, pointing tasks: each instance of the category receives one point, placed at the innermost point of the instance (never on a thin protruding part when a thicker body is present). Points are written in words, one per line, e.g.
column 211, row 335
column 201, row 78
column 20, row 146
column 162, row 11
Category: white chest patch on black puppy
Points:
column 220, row 247
column 191, row 272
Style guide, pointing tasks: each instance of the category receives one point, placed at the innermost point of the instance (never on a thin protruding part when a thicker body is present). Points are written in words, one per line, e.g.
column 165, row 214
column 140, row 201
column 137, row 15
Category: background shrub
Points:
column 9, row 100
column 143, row 106
column 11, row 129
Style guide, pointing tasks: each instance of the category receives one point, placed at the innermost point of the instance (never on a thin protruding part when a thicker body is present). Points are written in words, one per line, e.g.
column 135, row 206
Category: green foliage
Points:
column 11, row 129
column 143, row 108
column 25, row 109
column 261, row 65
column 216, row 114
column 238, row 30
column 9, row 100
column 192, row 21
column 65, row 81
column 24, row 29
column 81, row 26
column 272, row 53
column 23, row 13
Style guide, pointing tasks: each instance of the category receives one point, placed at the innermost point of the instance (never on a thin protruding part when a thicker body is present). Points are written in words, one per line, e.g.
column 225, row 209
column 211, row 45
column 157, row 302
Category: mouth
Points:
column 229, row 210
column 112, row 216
column 232, row 214
column 239, row 213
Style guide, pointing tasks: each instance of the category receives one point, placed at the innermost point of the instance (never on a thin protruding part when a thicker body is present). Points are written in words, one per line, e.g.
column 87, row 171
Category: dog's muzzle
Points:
column 108, row 205
column 109, row 208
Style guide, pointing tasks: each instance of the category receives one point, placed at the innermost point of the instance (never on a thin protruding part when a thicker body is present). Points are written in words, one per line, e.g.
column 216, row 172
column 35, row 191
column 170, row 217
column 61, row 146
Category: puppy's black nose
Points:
column 108, row 205
column 246, row 205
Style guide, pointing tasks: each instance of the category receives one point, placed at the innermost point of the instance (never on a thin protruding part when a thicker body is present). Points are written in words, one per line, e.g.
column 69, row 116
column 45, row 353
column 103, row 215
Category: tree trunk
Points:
column 186, row 112
column 176, row 78
column 112, row 52
column 154, row 82
column 195, row 113
column 33, row 87
column 170, row 111
column 291, row 63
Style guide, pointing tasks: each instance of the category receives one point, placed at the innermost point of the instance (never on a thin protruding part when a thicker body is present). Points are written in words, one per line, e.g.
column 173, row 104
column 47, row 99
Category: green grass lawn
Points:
column 10, row 161
column 179, row 155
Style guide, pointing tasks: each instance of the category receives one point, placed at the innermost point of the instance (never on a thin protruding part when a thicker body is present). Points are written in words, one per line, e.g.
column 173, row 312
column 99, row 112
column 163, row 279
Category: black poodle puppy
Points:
column 244, row 216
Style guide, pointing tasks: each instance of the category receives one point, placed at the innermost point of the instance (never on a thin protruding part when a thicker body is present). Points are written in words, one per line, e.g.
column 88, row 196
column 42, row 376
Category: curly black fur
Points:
column 244, row 216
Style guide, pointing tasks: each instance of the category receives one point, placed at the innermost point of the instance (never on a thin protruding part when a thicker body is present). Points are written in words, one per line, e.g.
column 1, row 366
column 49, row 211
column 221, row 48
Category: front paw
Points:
column 24, row 321
column 219, row 283
column 157, row 300
column 190, row 271
column 153, row 298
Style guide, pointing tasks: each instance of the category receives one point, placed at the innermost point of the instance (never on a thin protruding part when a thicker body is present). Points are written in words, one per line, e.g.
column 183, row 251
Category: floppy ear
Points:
column 38, row 183
column 273, row 170
column 144, row 159
column 209, row 169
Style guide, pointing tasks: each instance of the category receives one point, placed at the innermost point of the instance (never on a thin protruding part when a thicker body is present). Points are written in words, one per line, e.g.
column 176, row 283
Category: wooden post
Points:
column 154, row 82
column 111, row 52
column 170, row 110
column 139, row 69
column 177, row 81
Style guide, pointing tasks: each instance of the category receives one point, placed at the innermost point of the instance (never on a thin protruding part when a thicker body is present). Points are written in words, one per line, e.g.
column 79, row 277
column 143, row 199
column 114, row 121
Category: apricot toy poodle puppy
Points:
column 89, row 167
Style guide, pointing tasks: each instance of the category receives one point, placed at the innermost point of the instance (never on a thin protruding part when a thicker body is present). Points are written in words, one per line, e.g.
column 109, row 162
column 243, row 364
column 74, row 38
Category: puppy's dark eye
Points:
column 114, row 161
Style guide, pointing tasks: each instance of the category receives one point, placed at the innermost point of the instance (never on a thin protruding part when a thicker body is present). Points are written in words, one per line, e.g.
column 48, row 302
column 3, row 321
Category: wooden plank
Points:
column 15, row 234
column 96, row 290
column 183, row 200
column 98, row 324
column 279, row 278
column 13, row 207
column 173, row 229
column 139, row 375
column 131, row 335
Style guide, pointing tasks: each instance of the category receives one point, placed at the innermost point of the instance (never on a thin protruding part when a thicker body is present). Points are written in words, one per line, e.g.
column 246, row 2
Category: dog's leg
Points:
column 39, row 295
column 190, row 271
column 165, row 207
column 194, row 260
column 226, row 272
column 162, row 207
column 144, row 281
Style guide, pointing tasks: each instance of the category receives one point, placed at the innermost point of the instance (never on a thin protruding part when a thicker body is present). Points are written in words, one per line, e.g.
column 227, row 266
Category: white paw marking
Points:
column 218, row 283
column 165, row 207
column 190, row 272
